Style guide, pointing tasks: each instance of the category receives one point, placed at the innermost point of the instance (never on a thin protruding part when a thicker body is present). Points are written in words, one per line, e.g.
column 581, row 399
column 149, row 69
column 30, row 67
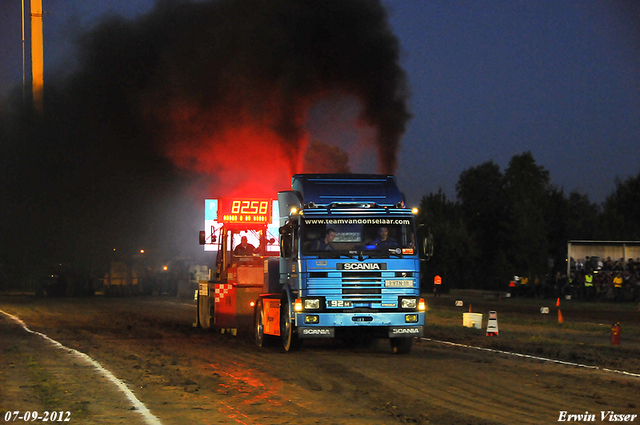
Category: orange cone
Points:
column 558, row 303
column 470, row 309
column 560, row 319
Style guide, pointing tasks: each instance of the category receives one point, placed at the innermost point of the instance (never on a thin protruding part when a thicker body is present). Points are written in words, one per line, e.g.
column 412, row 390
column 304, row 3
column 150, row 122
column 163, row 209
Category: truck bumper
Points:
column 391, row 325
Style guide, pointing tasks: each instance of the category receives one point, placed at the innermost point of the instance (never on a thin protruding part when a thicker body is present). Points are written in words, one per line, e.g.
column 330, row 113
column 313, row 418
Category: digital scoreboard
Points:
column 240, row 213
column 245, row 211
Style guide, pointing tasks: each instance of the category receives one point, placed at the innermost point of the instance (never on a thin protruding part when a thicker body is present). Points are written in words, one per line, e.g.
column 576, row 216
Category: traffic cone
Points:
column 492, row 324
column 470, row 309
column 558, row 303
column 560, row 319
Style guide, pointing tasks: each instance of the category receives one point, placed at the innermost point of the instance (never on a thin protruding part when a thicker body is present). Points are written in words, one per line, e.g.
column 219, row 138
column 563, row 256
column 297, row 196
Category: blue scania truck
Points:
column 349, row 264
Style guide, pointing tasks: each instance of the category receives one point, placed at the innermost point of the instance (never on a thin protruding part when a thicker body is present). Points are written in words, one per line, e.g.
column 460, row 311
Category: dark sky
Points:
column 487, row 80
column 494, row 79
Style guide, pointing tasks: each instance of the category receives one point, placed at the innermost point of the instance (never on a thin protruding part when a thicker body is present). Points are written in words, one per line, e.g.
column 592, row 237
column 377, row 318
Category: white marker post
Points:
column 492, row 324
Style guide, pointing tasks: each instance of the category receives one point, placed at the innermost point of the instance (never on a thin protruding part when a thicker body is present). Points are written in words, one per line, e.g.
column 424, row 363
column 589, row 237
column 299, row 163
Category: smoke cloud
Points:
column 215, row 95
column 225, row 87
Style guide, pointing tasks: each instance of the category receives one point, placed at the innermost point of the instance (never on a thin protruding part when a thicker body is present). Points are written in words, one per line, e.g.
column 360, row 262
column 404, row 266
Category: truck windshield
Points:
column 353, row 236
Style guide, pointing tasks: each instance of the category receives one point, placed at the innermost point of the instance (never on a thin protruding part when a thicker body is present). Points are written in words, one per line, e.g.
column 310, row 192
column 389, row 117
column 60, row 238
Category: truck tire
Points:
column 262, row 340
column 401, row 345
column 290, row 340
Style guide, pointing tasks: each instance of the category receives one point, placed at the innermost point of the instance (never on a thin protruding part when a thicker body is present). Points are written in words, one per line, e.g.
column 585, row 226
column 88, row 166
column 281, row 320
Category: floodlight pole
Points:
column 24, row 83
column 37, row 57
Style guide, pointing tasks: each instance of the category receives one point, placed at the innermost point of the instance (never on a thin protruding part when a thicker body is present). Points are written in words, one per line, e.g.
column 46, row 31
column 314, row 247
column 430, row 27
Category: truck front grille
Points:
column 364, row 288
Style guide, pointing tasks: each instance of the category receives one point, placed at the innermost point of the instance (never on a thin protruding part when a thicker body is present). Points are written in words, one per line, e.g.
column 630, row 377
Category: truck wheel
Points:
column 262, row 340
column 290, row 340
column 401, row 345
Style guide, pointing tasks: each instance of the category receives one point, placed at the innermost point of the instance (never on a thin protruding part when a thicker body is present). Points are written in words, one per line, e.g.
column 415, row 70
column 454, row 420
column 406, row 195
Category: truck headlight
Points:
column 408, row 303
column 311, row 303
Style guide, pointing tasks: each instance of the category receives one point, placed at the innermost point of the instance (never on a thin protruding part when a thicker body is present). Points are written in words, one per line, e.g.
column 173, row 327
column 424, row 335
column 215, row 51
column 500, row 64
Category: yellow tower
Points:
column 37, row 56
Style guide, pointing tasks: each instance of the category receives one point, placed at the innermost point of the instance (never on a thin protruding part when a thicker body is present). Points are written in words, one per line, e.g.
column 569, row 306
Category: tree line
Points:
column 517, row 223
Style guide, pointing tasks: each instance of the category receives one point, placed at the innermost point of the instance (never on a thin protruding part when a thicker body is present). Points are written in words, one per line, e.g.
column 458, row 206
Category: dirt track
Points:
column 186, row 375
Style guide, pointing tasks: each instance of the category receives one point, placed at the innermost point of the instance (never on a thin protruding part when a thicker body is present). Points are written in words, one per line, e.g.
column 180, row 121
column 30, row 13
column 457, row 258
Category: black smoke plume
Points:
column 199, row 70
column 216, row 92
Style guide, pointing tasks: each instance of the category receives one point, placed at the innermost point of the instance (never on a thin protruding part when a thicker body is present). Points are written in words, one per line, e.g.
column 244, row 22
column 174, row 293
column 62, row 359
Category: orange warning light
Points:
column 421, row 305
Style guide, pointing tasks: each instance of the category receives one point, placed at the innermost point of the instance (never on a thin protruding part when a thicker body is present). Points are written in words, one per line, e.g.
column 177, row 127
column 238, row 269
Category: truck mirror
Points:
column 286, row 240
column 428, row 246
column 285, row 247
column 426, row 238
column 287, row 229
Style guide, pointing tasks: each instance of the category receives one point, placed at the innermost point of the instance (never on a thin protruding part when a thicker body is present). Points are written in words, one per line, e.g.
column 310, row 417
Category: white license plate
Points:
column 398, row 283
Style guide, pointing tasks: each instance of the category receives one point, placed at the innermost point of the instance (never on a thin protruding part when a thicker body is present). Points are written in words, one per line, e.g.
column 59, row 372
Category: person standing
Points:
column 588, row 285
column 617, row 287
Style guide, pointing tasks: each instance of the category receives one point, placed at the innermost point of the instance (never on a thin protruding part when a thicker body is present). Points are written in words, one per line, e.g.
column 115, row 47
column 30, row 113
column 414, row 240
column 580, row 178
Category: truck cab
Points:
column 349, row 263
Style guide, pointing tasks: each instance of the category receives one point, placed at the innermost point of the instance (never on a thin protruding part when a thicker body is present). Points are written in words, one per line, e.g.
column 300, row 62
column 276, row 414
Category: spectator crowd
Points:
column 590, row 279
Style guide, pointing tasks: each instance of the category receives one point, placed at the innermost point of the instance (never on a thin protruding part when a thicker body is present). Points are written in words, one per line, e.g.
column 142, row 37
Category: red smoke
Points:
column 247, row 157
column 245, row 160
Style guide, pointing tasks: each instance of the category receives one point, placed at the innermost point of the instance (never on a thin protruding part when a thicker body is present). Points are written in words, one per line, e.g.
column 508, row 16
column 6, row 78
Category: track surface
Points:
column 187, row 375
